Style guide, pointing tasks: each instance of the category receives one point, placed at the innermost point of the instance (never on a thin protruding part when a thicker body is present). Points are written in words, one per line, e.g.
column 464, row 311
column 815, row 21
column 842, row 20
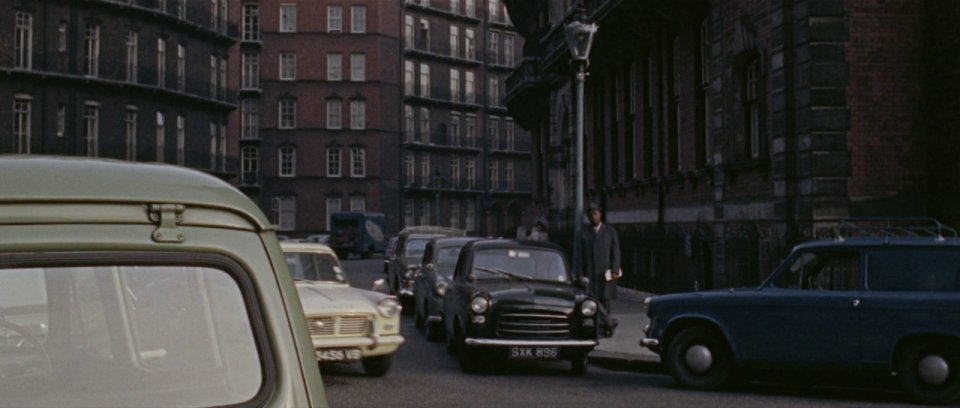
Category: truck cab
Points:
column 357, row 233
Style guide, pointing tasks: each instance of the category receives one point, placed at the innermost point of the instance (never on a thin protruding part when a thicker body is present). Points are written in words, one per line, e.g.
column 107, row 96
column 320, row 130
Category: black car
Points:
column 518, row 300
column 434, row 275
column 389, row 253
column 406, row 256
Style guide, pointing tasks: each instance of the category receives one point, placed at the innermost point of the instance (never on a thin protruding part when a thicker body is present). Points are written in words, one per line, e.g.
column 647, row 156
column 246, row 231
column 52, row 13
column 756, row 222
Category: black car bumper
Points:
column 588, row 344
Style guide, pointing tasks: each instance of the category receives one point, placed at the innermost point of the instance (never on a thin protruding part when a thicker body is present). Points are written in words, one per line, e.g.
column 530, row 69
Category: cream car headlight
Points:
column 442, row 288
column 588, row 308
column 388, row 307
column 479, row 304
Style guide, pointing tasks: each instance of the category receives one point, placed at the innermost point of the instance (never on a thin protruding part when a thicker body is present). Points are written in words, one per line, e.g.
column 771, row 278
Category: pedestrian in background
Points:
column 539, row 232
column 600, row 263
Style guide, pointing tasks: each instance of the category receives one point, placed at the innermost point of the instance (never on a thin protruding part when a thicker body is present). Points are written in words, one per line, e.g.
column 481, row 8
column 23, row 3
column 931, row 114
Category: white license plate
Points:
column 534, row 353
column 338, row 355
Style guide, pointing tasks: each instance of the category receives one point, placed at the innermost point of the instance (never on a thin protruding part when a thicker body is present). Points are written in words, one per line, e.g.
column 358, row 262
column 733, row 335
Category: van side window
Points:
column 821, row 270
column 913, row 270
column 109, row 332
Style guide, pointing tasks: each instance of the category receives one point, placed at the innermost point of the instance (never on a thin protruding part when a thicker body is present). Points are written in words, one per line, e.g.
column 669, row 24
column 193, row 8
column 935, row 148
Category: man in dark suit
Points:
column 600, row 262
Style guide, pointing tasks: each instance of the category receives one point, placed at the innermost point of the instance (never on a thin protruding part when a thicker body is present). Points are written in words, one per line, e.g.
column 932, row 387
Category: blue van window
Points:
column 914, row 270
column 820, row 270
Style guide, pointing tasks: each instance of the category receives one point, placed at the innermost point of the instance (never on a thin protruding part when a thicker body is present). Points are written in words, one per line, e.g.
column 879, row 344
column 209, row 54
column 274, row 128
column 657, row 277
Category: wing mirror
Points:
column 380, row 285
column 582, row 282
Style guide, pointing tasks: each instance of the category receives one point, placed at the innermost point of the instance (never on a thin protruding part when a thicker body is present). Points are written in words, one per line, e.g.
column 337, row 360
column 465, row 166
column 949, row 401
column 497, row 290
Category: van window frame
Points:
column 233, row 268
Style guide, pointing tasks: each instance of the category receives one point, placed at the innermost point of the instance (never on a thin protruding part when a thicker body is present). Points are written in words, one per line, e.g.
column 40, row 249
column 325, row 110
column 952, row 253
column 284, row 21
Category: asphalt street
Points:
column 424, row 375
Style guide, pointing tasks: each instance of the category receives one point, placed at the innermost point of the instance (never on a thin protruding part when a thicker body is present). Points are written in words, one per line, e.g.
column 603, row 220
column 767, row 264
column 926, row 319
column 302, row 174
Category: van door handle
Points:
column 856, row 302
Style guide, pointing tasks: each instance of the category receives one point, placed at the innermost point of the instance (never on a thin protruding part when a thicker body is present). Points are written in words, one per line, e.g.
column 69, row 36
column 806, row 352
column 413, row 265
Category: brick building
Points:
column 318, row 114
column 131, row 80
column 465, row 163
column 382, row 106
column 720, row 133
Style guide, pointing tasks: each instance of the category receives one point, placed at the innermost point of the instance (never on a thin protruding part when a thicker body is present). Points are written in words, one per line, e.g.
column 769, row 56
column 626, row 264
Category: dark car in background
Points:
column 885, row 305
column 389, row 253
column 517, row 300
column 433, row 277
column 406, row 256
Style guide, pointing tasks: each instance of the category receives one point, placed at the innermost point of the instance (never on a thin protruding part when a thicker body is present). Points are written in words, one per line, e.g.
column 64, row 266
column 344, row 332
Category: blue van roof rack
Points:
column 889, row 227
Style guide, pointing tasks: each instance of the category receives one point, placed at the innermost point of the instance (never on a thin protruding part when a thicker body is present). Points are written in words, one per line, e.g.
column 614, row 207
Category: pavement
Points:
column 624, row 349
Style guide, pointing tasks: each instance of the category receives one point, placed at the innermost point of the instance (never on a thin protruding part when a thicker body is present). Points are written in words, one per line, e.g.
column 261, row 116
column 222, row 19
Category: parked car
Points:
column 881, row 305
column 517, row 300
column 128, row 284
column 406, row 258
column 434, row 275
column 319, row 238
column 389, row 253
column 347, row 324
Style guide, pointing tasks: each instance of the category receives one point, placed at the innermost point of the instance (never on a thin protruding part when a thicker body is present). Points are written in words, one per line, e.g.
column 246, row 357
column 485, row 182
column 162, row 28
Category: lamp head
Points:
column 580, row 39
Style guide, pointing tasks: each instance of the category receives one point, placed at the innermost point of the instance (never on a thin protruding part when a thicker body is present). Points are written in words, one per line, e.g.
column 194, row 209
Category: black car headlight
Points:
column 411, row 272
column 441, row 288
column 479, row 304
column 588, row 308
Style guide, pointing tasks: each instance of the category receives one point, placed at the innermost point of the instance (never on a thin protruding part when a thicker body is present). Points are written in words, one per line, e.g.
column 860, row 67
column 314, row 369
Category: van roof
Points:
column 56, row 179
column 432, row 230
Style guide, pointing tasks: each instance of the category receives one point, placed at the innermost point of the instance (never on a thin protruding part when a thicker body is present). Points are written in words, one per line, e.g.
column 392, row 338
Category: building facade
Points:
column 380, row 106
column 132, row 80
column 465, row 163
column 318, row 125
column 721, row 133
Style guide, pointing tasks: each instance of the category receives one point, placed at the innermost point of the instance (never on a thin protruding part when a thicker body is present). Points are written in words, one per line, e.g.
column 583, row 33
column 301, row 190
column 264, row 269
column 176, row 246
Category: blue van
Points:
column 359, row 233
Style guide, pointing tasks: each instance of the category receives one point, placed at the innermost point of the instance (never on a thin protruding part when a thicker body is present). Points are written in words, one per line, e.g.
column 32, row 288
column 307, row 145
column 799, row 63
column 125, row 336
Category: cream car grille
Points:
column 339, row 325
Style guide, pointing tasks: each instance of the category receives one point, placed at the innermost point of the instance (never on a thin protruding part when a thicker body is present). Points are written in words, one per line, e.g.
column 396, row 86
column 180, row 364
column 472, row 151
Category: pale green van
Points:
column 143, row 285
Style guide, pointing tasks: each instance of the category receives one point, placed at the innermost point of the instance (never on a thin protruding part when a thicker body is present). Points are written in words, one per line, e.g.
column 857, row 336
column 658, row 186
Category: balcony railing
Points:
column 525, row 73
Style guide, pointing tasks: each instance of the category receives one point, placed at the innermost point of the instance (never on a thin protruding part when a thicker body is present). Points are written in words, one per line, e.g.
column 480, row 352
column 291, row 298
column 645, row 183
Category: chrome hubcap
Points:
column 933, row 370
column 699, row 358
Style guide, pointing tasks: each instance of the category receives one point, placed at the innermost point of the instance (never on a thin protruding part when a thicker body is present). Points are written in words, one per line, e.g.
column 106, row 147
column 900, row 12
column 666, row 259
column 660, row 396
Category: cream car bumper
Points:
column 369, row 346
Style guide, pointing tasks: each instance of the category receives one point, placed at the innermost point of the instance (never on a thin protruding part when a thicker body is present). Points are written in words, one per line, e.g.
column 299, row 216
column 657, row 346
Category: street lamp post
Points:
column 579, row 39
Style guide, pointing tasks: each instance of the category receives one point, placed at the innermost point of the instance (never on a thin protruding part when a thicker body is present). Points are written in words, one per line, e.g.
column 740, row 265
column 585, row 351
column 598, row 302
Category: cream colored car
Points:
column 346, row 324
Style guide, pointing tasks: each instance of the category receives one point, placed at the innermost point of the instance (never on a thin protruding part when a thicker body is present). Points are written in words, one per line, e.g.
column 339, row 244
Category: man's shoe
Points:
column 611, row 328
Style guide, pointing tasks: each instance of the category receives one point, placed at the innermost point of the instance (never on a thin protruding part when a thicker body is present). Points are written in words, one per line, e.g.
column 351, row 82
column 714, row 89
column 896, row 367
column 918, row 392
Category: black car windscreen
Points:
column 520, row 263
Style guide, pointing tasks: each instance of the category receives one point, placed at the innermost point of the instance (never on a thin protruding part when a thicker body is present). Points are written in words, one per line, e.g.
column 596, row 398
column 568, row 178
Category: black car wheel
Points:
column 698, row 358
column 419, row 315
column 435, row 331
column 929, row 370
column 377, row 366
column 579, row 363
column 451, row 343
column 468, row 357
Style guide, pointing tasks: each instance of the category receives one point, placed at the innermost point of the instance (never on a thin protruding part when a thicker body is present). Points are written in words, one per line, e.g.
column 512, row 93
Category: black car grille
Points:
column 533, row 325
